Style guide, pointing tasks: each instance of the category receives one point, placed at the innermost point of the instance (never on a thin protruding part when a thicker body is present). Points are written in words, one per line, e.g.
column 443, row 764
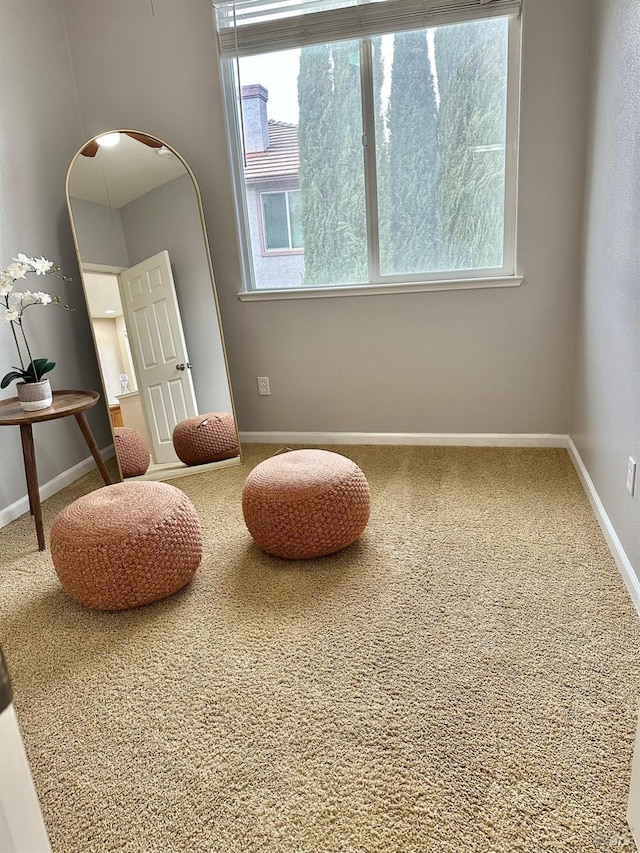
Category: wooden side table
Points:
column 64, row 403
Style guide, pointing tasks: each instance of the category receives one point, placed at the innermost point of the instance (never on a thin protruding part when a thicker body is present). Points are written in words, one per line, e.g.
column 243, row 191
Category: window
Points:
column 385, row 158
column 281, row 220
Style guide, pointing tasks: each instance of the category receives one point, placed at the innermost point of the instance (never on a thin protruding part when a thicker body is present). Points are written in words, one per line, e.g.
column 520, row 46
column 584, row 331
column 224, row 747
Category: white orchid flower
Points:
column 10, row 315
column 43, row 298
column 41, row 265
column 6, row 284
column 22, row 298
column 23, row 259
column 17, row 270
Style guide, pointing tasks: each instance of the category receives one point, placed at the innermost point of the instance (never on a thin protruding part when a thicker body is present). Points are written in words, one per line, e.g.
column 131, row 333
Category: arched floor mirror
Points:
column 138, row 226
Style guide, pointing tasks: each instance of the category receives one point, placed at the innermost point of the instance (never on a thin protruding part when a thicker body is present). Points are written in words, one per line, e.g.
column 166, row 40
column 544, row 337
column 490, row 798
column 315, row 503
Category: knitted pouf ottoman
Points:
column 306, row 503
column 206, row 438
column 133, row 453
column 126, row 545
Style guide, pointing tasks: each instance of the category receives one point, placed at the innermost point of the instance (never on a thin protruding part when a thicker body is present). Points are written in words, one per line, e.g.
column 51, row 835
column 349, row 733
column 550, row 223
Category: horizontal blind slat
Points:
column 345, row 22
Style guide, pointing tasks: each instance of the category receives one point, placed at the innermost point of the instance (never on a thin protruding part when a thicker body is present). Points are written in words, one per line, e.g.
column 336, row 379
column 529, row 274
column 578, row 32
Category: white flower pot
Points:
column 34, row 396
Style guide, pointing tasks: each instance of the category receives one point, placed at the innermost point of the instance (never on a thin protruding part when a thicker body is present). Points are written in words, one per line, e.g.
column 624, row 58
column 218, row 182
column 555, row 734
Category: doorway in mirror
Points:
column 137, row 221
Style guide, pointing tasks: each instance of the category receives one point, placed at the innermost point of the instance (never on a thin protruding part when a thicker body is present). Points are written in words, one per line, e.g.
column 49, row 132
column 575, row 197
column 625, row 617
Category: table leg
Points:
column 93, row 447
column 29, row 454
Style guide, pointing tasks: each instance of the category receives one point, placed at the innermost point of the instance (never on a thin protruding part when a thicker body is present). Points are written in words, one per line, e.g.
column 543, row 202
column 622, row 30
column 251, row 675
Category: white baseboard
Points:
column 19, row 507
column 463, row 439
column 615, row 546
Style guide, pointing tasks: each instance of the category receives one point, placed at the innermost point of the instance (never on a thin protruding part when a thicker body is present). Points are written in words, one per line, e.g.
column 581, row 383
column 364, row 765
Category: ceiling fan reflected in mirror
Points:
column 110, row 139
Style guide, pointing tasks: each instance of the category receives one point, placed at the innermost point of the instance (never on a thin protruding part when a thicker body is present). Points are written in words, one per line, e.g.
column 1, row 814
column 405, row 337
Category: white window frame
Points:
column 281, row 249
column 505, row 276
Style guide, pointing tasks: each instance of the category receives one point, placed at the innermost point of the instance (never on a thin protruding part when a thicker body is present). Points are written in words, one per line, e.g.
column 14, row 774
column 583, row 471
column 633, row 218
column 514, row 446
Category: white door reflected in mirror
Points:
column 159, row 350
column 139, row 232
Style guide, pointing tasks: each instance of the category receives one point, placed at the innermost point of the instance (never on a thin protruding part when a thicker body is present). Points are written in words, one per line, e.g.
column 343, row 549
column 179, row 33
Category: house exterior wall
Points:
column 605, row 421
column 271, row 269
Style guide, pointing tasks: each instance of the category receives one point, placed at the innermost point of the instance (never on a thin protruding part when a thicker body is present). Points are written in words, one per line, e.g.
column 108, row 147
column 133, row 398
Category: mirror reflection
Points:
column 137, row 219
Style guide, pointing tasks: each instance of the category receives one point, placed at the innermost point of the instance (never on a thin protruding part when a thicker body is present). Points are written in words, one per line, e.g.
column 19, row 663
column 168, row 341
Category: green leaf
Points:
column 9, row 377
column 38, row 368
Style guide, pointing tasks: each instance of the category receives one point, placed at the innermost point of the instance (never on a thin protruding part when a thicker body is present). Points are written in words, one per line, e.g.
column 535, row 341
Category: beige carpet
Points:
column 462, row 679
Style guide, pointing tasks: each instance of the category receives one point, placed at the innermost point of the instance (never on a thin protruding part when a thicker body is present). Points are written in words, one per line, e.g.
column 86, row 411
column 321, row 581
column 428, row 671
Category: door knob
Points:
column 183, row 366
column 179, row 366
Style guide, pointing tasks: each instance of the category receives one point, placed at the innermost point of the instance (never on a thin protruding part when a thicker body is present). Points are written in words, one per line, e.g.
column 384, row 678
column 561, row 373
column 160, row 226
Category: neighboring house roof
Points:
column 281, row 158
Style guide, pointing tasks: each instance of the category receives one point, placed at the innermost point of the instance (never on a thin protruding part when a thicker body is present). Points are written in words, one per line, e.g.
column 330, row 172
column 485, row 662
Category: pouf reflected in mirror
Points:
column 206, row 438
column 306, row 503
column 133, row 452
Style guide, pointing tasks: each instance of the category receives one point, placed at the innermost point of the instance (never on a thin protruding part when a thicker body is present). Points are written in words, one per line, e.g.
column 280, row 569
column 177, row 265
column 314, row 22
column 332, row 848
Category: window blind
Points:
column 248, row 27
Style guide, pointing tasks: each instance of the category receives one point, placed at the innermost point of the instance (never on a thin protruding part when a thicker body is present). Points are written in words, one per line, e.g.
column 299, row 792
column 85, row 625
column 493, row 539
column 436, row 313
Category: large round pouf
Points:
column 306, row 503
column 126, row 545
column 206, row 438
column 133, row 453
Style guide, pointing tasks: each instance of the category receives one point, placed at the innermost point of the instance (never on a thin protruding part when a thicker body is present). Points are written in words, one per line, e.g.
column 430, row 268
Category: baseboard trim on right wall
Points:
column 615, row 546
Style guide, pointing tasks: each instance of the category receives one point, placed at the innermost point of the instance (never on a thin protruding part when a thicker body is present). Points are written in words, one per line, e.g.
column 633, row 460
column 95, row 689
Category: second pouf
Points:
column 306, row 503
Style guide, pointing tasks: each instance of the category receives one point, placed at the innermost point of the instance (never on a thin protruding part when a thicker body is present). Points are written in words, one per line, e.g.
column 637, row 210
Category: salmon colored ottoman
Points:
column 126, row 545
column 306, row 503
column 133, row 453
column 206, row 438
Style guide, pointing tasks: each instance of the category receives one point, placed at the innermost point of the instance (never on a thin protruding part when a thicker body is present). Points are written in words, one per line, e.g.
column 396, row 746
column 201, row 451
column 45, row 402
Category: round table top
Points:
column 64, row 403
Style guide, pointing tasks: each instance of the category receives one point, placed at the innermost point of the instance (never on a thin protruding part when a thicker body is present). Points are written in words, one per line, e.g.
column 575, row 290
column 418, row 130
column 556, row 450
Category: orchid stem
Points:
column 26, row 344
column 15, row 338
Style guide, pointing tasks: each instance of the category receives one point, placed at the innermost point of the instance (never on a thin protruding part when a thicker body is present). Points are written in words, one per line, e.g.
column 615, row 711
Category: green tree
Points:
column 471, row 71
column 316, row 173
column 413, row 156
column 331, row 175
column 451, row 44
column 350, row 238
column 382, row 157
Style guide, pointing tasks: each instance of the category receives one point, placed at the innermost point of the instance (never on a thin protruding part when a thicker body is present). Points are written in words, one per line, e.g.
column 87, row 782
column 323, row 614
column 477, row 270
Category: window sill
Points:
column 381, row 289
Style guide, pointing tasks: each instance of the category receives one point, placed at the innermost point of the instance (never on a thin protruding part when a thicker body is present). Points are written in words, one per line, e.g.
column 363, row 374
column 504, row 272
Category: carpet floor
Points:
column 464, row 678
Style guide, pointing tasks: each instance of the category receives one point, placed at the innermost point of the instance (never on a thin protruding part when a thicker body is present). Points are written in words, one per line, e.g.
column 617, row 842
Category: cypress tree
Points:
column 316, row 173
column 331, row 171
column 382, row 158
column 413, row 156
column 350, row 237
column 471, row 61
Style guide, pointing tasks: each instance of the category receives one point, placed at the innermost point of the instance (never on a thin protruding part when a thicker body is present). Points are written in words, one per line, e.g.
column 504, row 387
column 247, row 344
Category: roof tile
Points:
column 281, row 159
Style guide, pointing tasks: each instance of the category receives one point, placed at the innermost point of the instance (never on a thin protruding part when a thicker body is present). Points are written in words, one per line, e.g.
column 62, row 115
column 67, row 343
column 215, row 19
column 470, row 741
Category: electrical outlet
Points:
column 263, row 386
column 631, row 476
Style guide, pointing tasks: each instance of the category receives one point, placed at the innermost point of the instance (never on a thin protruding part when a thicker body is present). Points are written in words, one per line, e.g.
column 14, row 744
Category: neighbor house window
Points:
column 281, row 220
column 383, row 150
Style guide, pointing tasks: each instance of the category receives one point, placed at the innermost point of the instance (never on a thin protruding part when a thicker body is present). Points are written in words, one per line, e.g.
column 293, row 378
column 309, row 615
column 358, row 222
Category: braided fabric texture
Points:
column 206, row 438
column 306, row 503
column 133, row 453
column 126, row 545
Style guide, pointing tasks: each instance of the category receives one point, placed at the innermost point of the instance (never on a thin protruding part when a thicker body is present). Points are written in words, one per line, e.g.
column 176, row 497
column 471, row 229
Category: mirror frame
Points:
column 187, row 470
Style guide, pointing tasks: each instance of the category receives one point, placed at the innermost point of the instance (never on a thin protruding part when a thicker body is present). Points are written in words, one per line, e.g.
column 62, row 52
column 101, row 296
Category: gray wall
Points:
column 40, row 131
column 605, row 423
column 99, row 233
column 474, row 361
column 168, row 218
